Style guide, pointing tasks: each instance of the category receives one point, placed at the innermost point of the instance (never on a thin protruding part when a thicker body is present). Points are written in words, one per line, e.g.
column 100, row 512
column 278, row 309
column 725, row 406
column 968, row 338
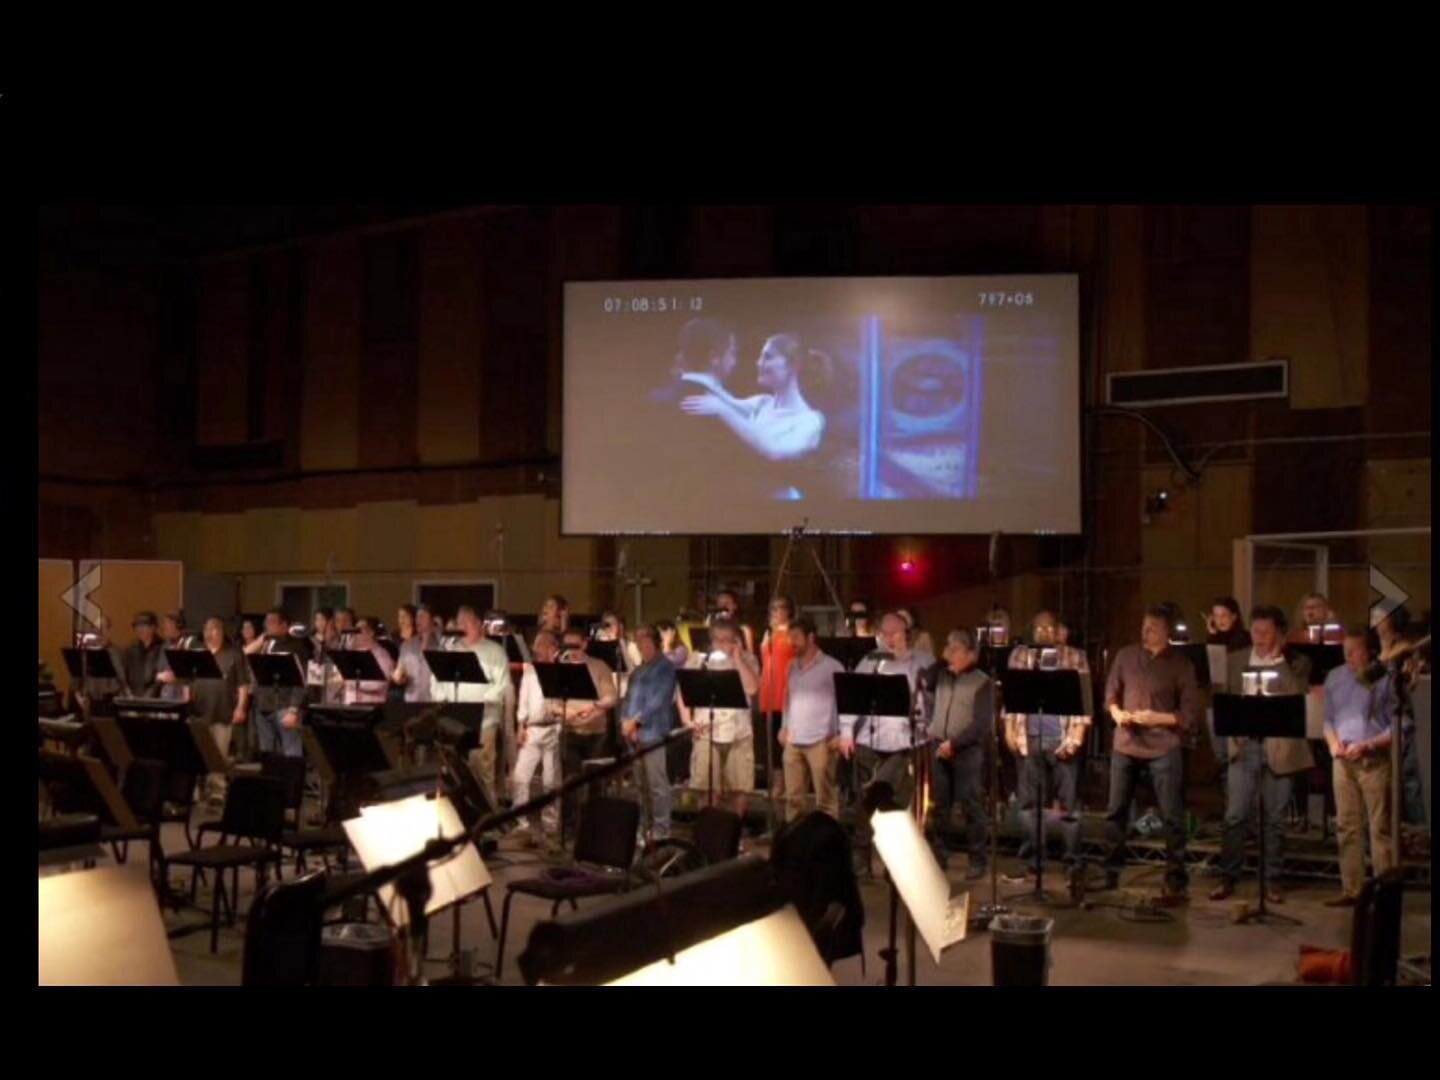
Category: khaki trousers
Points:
column 1362, row 791
column 819, row 764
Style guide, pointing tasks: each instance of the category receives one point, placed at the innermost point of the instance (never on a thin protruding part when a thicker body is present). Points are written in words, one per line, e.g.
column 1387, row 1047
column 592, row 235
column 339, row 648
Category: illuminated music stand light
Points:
column 724, row 925
column 775, row 950
column 387, row 833
column 103, row 928
column 941, row 920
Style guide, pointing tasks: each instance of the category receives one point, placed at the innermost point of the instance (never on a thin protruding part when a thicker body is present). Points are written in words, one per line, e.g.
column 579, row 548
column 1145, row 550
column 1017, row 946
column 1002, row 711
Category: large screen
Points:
column 858, row 405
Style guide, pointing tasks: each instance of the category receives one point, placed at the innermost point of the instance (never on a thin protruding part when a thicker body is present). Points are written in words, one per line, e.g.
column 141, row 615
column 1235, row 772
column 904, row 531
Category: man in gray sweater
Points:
column 961, row 724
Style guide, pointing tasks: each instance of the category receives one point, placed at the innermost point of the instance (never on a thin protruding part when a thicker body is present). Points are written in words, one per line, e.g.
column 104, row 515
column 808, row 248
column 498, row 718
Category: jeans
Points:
column 578, row 749
column 1248, row 777
column 652, row 776
column 1057, row 779
column 1165, row 775
column 871, row 767
column 271, row 735
column 961, row 779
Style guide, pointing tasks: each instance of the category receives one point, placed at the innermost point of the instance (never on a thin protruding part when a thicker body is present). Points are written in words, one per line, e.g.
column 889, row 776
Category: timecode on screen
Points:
column 652, row 305
column 1004, row 299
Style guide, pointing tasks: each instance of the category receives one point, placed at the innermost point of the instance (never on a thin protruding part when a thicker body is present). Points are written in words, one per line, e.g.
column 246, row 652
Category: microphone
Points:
column 994, row 552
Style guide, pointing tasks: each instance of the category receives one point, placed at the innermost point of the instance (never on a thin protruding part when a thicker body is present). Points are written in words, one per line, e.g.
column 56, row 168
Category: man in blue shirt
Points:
column 647, row 714
column 1359, row 721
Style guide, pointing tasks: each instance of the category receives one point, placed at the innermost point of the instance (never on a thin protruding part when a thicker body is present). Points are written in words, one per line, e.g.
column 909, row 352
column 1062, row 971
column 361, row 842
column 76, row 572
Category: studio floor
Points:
column 1194, row 945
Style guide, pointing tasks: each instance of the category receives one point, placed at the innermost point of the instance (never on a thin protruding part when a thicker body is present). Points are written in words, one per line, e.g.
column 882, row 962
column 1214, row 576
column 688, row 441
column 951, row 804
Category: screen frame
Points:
column 803, row 526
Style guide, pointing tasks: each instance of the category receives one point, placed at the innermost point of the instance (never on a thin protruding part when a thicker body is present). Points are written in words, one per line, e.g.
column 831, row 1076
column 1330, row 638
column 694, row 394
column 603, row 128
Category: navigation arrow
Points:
column 1391, row 596
column 78, row 597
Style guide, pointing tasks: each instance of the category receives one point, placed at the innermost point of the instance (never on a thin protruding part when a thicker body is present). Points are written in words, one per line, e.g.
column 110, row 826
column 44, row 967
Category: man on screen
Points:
column 780, row 425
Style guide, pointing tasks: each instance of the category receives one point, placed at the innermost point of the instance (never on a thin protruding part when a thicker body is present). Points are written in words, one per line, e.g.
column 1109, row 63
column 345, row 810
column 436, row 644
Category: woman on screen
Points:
column 780, row 426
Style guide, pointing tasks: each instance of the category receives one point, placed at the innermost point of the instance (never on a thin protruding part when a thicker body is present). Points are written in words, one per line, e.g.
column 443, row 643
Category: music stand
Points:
column 995, row 658
column 358, row 665
column 387, row 833
column 1261, row 716
column 700, row 639
column 1323, row 659
column 165, row 731
column 848, row 650
column 565, row 683
column 868, row 697
column 94, row 664
column 455, row 667
column 86, row 664
column 1033, row 694
column 923, row 887
column 606, row 651
column 712, row 689
column 277, row 670
column 1199, row 657
column 191, row 664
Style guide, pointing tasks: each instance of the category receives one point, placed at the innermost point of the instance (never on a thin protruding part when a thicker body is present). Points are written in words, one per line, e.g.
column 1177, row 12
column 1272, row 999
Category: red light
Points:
column 907, row 566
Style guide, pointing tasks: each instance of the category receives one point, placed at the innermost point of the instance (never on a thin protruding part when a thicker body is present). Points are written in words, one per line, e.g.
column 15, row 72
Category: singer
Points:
column 1360, row 713
column 881, row 745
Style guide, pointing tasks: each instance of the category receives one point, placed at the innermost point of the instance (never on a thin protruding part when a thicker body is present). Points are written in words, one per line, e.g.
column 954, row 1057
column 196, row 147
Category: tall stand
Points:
column 1261, row 913
column 795, row 537
column 981, row 918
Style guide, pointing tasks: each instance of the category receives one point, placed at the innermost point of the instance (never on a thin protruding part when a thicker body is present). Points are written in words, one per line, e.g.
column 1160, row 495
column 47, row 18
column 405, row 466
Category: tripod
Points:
column 1261, row 914
column 795, row 536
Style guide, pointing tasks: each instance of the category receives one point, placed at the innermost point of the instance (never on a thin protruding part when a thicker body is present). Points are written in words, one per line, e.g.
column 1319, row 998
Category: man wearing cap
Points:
column 141, row 660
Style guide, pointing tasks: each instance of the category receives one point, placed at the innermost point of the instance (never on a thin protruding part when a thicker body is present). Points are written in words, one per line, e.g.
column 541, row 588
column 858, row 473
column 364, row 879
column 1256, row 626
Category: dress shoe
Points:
column 1343, row 900
column 1172, row 897
column 1223, row 891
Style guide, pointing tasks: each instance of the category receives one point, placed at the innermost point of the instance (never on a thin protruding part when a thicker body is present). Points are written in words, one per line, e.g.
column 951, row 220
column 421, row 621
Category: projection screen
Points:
column 863, row 405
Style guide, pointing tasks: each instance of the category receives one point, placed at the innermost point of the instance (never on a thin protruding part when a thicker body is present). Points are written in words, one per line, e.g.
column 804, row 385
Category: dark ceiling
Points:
column 166, row 233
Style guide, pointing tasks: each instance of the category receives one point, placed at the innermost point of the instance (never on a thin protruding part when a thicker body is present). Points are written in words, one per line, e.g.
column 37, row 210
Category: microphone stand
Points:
column 981, row 919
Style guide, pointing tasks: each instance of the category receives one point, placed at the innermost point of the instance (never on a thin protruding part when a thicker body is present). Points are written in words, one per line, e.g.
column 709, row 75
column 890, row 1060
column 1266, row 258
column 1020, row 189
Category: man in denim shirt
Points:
column 648, row 714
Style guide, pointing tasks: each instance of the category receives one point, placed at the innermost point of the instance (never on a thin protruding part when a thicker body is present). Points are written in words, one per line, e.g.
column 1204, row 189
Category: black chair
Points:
column 282, row 933
column 1375, row 932
column 254, row 811
column 296, row 838
column 67, row 838
column 79, row 784
column 717, row 838
column 604, row 852
column 811, row 857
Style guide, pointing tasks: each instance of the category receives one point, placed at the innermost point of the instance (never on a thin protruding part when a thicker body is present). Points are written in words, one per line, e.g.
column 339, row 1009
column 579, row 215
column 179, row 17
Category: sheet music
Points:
column 1216, row 654
column 386, row 833
column 941, row 921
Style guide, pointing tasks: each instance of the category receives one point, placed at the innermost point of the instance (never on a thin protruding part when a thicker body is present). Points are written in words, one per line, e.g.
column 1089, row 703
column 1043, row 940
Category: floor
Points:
column 1103, row 946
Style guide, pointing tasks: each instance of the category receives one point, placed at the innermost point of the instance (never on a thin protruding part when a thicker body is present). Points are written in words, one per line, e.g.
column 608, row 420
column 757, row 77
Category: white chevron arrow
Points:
column 78, row 597
column 1391, row 596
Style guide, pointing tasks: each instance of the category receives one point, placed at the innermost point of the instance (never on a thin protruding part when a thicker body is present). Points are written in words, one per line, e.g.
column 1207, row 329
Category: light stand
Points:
column 986, row 912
